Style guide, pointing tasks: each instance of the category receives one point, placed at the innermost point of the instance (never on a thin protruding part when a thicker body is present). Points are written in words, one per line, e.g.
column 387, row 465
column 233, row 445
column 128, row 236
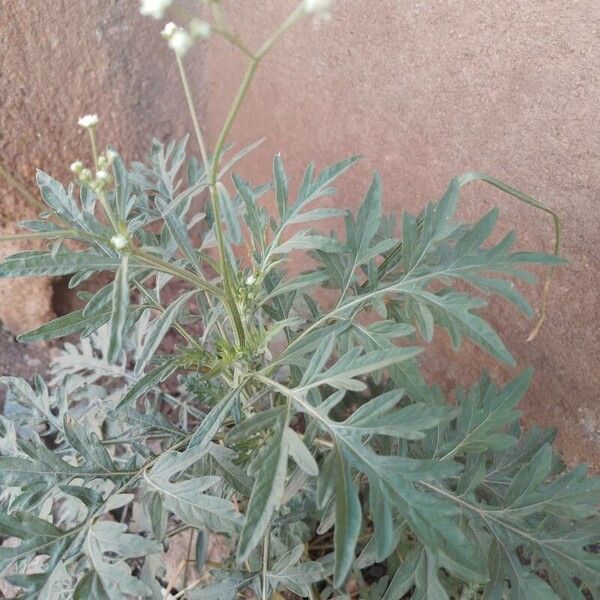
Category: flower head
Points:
column 88, row 121
column 118, row 241
column 155, row 8
column 85, row 175
column 180, row 42
column 169, row 29
column 102, row 176
column 76, row 167
column 250, row 280
column 317, row 7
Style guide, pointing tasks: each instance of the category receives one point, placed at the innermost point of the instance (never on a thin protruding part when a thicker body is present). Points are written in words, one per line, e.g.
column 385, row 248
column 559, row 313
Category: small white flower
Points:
column 102, row 176
column 88, row 121
column 180, row 42
column 76, row 167
column 118, row 241
column 251, row 280
column 169, row 29
column 317, row 6
column 155, row 8
column 200, row 29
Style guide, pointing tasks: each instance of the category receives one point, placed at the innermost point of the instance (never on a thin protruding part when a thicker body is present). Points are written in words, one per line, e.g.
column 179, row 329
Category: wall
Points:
column 427, row 90
column 58, row 61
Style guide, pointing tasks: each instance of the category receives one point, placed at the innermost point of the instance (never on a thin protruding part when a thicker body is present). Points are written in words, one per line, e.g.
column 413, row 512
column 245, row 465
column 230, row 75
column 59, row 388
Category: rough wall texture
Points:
column 424, row 89
column 427, row 90
column 58, row 61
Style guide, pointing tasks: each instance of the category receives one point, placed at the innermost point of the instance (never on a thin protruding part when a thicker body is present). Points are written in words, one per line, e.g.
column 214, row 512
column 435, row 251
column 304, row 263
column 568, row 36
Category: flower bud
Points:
column 180, row 42
column 88, row 121
column 169, row 29
column 85, row 175
column 251, row 280
column 102, row 162
column 119, row 241
column 102, row 176
column 76, row 167
column 155, row 8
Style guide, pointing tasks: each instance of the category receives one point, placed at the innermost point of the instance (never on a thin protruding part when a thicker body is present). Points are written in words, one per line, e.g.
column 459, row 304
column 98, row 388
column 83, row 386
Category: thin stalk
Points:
column 187, row 562
column 224, row 260
column 17, row 185
column 235, row 41
column 108, row 211
column 191, row 106
column 92, row 133
column 229, row 121
column 294, row 17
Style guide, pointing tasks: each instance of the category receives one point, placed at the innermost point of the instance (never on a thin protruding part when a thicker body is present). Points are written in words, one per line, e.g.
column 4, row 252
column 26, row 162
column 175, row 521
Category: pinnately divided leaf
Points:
column 259, row 386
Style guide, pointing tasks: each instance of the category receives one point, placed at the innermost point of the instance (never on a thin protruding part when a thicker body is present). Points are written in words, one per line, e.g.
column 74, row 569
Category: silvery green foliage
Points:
column 314, row 444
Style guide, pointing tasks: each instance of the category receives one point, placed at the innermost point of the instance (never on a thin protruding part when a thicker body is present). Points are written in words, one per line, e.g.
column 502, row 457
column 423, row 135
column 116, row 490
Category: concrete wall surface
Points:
column 424, row 89
column 427, row 90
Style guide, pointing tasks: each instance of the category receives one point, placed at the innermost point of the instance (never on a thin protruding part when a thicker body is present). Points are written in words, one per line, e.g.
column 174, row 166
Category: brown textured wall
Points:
column 427, row 90
column 58, row 61
column 424, row 89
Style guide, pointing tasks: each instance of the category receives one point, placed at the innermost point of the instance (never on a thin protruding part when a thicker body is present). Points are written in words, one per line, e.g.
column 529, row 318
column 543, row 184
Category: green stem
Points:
column 92, row 133
column 294, row 17
column 191, row 106
column 226, row 270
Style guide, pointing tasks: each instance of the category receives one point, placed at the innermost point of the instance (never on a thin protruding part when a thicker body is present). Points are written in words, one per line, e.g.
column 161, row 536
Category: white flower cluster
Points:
column 118, row 241
column 88, row 121
column 155, row 8
column 100, row 180
column 180, row 40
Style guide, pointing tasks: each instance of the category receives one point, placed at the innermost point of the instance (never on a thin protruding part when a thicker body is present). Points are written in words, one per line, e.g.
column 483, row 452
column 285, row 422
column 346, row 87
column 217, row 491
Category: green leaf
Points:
column 66, row 325
column 110, row 579
column 352, row 364
column 211, row 423
column 267, row 492
column 229, row 215
column 118, row 317
column 27, row 264
column 301, row 454
column 147, row 382
column 348, row 520
column 186, row 500
column 158, row 330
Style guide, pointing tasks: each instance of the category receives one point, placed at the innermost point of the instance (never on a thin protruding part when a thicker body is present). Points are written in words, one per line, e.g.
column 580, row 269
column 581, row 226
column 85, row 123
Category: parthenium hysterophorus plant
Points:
column 303, row 434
